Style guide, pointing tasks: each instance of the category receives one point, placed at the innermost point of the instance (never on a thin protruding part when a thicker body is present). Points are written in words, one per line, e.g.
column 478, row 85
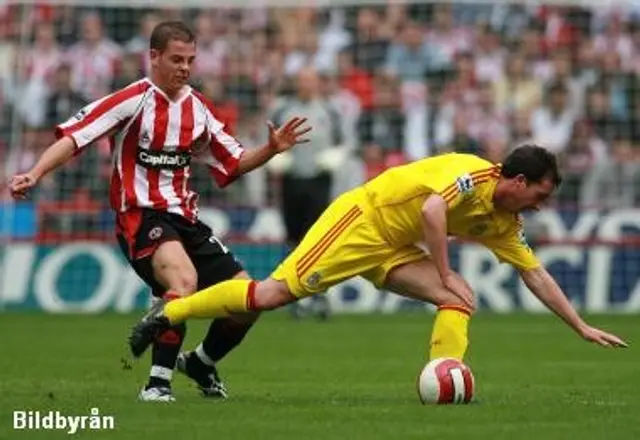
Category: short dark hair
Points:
column 534, row 162
column 170, row 30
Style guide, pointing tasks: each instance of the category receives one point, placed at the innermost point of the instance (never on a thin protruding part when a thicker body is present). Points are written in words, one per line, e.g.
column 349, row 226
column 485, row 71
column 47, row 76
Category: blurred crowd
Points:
column 407, row 81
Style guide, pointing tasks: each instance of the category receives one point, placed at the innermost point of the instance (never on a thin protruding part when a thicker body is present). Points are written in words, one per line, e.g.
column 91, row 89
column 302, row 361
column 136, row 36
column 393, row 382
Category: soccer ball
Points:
column 445, row 381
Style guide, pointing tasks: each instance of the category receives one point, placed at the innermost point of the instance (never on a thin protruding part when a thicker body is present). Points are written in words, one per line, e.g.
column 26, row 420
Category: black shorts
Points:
column 140, row 232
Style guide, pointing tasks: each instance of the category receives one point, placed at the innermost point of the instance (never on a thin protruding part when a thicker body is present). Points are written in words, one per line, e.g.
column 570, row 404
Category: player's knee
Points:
column 186, row 281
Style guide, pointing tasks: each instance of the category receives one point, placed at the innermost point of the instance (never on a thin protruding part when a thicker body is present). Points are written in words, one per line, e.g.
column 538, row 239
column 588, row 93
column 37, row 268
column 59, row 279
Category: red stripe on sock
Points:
column 170, row 337
column 461, row 309
column 170, row 295
column 251, row 296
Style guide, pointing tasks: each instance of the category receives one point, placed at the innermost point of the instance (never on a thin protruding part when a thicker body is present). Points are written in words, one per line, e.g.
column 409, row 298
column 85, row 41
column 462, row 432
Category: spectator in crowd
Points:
column 212, row 49
column 616, row 39
column 403, row 77
column 584, row 151
column 355, row 79
column 346, row 103
column 305, row 53
column 308, row 174
column 94, row 60
column 602, row 120
column 382, row 126
column 483, row 124
column 518, row 90
column 489, row 54
column 138, row 45
column 461, row 141
column 412, row 57
column 40, row 64
column 614, row 180
column 617, row 81
column 531, row 43
column 226, row 110
column 306, row 185
column 369, row 46
column 562, row 70
column 63, row 100
column 462, row 88
column 443, row 33
column 131, row 70
column 66, row 23
column 552, row 123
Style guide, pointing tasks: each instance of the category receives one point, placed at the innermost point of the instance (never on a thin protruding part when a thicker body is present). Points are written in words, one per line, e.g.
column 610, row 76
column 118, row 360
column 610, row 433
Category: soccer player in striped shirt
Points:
column 373, row 230
column 157, row 126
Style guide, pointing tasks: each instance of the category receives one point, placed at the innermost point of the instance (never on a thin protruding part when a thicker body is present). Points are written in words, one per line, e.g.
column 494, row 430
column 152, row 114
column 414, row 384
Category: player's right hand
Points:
column 21, row 184
column 602, row 338
column 456, row 284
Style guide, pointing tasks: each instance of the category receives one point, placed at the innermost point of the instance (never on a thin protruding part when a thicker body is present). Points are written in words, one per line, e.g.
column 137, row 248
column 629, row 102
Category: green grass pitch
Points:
column 351, row 378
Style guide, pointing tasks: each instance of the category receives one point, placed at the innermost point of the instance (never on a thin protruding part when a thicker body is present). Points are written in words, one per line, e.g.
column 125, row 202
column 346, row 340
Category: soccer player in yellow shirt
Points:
column 373, row 230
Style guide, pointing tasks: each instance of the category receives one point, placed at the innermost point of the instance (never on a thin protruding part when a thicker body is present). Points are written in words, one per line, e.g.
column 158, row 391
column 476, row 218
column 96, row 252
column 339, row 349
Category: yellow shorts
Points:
column 342, row 243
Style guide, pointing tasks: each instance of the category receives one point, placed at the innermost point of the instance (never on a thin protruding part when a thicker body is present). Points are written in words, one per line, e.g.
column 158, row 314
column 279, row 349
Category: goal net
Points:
column 407, row 80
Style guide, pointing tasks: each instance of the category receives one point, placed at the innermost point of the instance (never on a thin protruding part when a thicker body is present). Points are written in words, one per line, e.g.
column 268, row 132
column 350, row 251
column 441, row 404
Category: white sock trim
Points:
column 161, row 372
column 204, row 357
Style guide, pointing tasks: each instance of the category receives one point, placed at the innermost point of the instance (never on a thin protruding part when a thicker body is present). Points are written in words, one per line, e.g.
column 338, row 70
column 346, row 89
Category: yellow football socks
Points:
column 219, row 300
column 449, row 335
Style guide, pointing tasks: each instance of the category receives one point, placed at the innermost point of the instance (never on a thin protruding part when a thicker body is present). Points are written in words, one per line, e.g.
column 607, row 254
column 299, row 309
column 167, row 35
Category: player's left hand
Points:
column 290, row 134
column 602, row 338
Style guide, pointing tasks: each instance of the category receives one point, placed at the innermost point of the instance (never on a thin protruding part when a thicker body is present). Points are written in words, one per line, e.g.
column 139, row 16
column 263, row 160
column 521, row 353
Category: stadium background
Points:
column 482, row 78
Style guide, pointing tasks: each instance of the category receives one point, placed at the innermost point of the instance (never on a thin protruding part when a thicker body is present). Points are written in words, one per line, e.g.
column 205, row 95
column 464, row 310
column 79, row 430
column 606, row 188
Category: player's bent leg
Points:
column 171, row 268
column 221, row 300
column 420, row 280
column 223, row 335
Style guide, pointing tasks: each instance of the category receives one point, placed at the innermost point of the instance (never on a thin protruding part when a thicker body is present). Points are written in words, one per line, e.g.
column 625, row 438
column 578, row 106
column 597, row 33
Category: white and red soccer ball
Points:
column 446, row 381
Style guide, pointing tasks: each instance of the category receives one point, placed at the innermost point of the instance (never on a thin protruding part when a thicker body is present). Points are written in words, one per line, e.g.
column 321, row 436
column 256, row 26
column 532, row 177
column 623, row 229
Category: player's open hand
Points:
column 21, row 184
column 456, row 284
column 602, row 338
column 290, row 134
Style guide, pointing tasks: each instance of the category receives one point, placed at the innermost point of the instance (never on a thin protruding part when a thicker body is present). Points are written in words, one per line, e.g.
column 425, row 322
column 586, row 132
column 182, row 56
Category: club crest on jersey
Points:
column 155, row 233
column 313, row 279
column 464, row 184
column 80, row 115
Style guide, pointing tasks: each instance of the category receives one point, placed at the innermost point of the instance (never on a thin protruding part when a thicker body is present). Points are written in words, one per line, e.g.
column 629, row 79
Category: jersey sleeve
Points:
column 512, row 248
column 456, row 185
column 101, row 116
column 221, row 152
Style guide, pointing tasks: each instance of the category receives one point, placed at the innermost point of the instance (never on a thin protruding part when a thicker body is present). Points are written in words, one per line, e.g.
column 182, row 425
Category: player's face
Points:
column 528, row 196
column 173, row 64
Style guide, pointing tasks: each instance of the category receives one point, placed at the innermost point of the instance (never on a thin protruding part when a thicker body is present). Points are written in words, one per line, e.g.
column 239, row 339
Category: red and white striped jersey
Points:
column 153, row 141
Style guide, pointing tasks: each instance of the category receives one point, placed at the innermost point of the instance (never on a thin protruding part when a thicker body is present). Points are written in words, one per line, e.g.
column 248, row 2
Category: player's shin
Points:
column 449, row 335
column 223, row 336
column 165, row 352
column 220, row 300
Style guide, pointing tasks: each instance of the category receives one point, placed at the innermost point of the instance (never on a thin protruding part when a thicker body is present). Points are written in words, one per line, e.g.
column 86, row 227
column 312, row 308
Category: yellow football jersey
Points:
column 467, row 183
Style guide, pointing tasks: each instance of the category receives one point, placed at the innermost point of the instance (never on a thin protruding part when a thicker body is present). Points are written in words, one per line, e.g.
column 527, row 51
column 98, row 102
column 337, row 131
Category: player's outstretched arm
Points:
column 434, row 224
column 280, row 140
column 543, row 286
column 53, row 157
